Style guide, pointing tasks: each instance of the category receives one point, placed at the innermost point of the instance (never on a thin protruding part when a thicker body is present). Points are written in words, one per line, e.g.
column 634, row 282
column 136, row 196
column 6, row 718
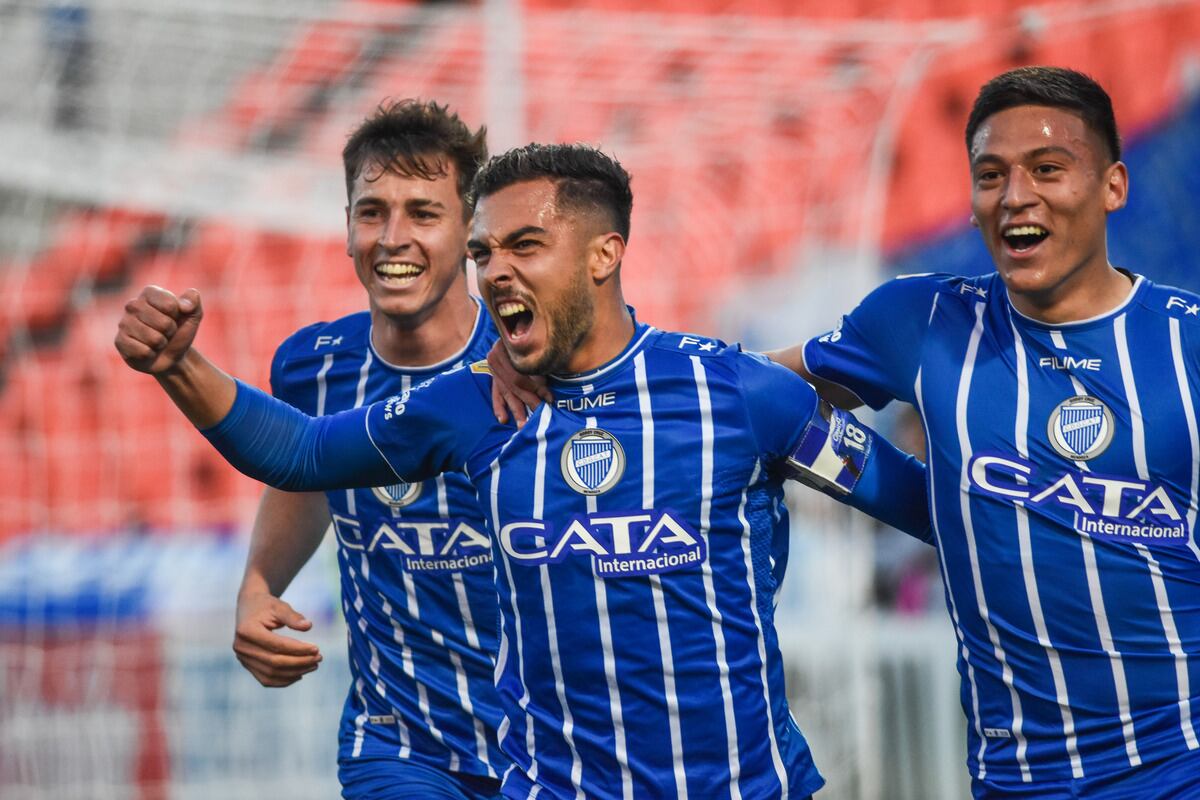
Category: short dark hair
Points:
column 411, row 138
column 584, row 178
column 1056, row 87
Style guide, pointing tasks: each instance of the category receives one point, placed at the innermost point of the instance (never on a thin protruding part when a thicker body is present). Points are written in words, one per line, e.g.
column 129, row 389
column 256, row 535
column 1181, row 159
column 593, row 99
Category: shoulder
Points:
column 313, row 342
column 1170, row 301
column 304, row 355
column 748, row 370
column 924, row 287
column 691, row 344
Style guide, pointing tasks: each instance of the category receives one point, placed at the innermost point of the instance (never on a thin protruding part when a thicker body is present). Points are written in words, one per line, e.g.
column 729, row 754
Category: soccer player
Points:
column 637, row 521
column 1059, row 398
column 421, row 716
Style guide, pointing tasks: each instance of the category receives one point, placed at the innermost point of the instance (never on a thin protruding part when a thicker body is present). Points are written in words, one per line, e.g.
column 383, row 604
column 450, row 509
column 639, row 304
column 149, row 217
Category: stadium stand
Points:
column 801, row 112
column 761, row 136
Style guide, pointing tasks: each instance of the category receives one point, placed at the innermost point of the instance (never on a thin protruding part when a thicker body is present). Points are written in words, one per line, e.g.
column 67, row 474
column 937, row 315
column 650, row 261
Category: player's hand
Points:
column 158, row 328
column 513, row 392
column 274, row 660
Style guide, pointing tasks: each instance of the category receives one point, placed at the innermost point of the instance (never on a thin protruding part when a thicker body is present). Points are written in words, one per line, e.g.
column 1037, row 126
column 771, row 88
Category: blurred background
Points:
column 787, row 156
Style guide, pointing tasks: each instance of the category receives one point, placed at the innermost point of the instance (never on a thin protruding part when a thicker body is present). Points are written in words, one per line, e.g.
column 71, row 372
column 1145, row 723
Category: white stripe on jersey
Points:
column 502, row 658
column 397, row 633
column 464, row 610
column 360, row 720
column 464, row 697
column 361, row 392
column 964, row 440
column 380, row 688
column 1031, row 588
column 600, row 586
column 706, row 492
column 539, row 499
column 1189, row 413
column 660, row 606
column 776, row 758
column 321, row 388
column 1160, row 589
column 610, row 667
column 406, row 662
column 359, row 395
column 962, row 643
column 1092, row 570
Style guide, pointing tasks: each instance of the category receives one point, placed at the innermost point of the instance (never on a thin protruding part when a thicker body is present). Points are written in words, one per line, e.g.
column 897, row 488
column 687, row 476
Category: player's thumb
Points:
column 190, row 308
column 293, row 618
column 188, row 322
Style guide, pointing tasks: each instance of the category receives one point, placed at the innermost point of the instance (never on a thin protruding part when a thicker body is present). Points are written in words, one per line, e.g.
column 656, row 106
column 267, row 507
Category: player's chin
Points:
column 401, row 302
column 525, row 360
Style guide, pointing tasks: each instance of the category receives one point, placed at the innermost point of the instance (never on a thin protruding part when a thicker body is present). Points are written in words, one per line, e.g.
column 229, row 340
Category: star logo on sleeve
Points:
column 703, row 345
column 1191, row 309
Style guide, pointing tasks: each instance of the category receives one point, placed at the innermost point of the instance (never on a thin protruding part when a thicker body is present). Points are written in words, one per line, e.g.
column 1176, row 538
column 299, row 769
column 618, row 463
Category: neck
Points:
column 611, row 332
column 1074, row 300
column 428, row 338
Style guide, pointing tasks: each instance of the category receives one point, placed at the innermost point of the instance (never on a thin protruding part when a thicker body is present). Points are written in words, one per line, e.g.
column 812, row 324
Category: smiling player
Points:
column 635, row 521
column 421, row 716
column 1059, row 398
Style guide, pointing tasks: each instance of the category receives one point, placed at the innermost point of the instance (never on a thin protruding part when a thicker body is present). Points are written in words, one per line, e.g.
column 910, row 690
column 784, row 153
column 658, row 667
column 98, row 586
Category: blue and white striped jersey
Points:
column 638, row 538
column 638, row 520
column 416, row 571
column 1063, row 487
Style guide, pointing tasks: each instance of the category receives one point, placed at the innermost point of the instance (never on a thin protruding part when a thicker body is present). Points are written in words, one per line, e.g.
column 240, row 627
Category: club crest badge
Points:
column 398, row 495
column 592, row 461
column 1080, row 428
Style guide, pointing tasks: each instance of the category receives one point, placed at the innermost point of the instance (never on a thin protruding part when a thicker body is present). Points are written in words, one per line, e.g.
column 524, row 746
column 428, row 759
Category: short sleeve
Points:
column 281, row 368
column 875, row 350
column 436, row 426
column 779, row 402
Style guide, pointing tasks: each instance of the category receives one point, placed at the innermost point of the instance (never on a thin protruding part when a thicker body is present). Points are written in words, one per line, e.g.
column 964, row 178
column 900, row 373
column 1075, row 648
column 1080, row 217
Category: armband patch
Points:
column 833, row 450
column 481, row 366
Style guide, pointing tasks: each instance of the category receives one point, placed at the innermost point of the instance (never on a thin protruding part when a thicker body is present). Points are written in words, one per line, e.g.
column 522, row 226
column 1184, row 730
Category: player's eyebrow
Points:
column 424, row 202
column 412, row 202
column 1039, row 152
column 509, row 239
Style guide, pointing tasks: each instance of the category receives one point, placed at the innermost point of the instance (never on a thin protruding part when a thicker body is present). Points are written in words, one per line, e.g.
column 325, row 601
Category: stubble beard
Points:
column 570, row 321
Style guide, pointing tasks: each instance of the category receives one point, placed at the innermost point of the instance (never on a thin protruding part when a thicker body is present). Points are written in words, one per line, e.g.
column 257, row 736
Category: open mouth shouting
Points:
column 398, row 274
column 1022, row 240
column 515, row 317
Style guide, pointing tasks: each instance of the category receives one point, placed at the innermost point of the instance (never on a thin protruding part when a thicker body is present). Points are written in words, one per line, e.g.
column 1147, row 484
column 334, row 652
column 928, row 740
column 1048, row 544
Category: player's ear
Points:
column 349, row 251
column 1116, row 186
column 606, row 252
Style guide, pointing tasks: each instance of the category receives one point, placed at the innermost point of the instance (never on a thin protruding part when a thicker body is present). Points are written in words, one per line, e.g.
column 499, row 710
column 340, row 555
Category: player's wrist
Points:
column 254, row 586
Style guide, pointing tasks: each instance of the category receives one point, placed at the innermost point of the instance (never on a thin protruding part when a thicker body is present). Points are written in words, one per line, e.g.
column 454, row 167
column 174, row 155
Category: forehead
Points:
column 520, row 205
column 376, row 180
column 1022, row 129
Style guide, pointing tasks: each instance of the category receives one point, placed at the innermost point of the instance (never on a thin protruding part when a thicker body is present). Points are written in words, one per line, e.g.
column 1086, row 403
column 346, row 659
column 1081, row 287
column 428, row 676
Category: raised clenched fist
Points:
column 158, row 328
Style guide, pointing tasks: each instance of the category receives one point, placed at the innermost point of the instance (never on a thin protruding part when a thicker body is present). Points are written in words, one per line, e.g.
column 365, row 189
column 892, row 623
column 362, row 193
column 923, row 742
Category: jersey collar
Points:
column 641, row 332
column 481, row 319
column 1138, row 283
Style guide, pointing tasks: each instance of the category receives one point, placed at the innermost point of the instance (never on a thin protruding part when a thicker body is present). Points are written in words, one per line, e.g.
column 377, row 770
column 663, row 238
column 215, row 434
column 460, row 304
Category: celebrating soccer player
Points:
column 635, row 520
column 421, row 716
column 1059, row 398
